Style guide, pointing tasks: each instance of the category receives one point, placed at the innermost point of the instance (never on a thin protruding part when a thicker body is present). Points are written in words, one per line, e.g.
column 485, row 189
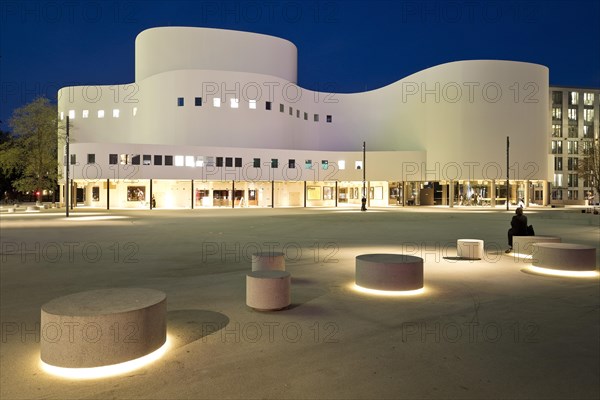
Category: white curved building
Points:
column 215, row 118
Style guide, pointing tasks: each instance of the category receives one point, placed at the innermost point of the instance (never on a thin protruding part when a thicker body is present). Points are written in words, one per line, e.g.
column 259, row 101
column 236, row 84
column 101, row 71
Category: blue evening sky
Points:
column 343, row 46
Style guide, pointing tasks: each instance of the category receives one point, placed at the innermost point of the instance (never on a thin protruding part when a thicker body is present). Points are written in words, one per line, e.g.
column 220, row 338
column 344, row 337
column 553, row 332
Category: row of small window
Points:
column 572, row 180
column 572, row 163
column 588, row 114
column 572, row 147
column 557, row 194
column 588, row 131
column 100, row 113
column 588, row 98
column 235, row 103
column 201, row 161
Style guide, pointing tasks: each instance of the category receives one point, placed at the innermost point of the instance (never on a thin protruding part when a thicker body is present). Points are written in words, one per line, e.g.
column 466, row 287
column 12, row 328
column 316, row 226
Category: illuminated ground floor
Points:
column 177, row 194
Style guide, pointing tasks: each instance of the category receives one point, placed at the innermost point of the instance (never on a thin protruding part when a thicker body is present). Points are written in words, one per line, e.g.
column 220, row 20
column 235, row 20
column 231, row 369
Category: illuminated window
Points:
column 557, row 130
column 134, row 111
column 100, row 113
column 199, row 161
column 588, row 99
column 572, row 147
column 252, row 104
column 557, row 113
column 358, row 164
column 558, row 164
column 124, row 159
column 588, row 132
column 217, row 102
column 557, row 147
column 342, row 164
column 72, row 114
column 62, row 115
column 146, row 159
column 85, row 113
column 234, row 103
column 116, row 113
column 572, row 114
column 179, row 161
column 573, row 98
column 558, row 180
column 189, row 161
column 588, row 115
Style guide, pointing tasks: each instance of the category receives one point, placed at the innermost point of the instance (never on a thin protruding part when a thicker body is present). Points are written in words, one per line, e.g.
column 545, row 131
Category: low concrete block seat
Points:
column 32, row 209
column 268, row 290
column 470, row 249
column 525, row 244
column 268, row 261
column 564, row 256
column 397, row 272
column 102, row 327
column 11, row 210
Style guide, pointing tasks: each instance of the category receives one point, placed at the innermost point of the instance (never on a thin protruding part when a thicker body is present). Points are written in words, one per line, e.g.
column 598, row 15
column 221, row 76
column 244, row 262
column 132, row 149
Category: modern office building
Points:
column 575, row 113
column 216, row 118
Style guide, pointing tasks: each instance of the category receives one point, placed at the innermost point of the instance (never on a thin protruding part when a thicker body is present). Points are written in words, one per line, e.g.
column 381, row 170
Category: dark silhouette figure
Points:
column 518, row 227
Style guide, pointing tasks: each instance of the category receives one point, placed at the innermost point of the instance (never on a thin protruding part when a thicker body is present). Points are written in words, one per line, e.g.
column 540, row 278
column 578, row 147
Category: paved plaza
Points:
column 481, row 329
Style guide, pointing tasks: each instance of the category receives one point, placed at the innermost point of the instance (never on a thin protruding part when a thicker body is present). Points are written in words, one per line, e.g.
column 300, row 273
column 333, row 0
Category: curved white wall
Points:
column 458, row 114
column 173, row 48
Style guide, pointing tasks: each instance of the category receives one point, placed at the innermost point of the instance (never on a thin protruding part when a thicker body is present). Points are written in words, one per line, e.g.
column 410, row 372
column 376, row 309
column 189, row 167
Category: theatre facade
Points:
column 215, row 118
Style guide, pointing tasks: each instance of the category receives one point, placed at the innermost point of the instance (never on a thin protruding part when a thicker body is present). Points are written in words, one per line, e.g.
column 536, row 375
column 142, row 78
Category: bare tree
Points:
column 589, row 165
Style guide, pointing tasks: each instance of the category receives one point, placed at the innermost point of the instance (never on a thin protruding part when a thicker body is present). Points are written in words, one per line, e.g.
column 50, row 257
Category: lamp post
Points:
column 507, row 171
column 68, row 161
column 364, row 168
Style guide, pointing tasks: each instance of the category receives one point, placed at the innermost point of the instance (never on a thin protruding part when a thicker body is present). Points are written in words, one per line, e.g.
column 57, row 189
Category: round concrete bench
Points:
column 397, row 272
column 268, row 290
column 470, row 249
column 32, row 209
column 564, row 256
column 268, row 261
column 524, row 244
column 102, row 327
column 11, row 210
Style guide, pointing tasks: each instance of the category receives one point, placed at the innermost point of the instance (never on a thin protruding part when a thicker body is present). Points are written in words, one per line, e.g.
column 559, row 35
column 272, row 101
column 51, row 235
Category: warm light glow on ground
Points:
column 97, row 218
column 521, row 256
column 391, row 293
column 558, row 272
column 107, row 370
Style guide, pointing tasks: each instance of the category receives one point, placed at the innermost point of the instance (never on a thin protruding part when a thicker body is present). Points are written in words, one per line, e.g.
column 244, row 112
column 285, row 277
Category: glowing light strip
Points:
column 106, row 371
column 521, row 255
column 98, row 218
column 559, row 272
column 388, row 292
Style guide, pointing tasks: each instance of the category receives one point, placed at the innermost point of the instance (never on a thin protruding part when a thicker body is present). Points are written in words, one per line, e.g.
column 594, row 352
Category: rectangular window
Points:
column 357, row 164
column 85, row 113
column 557, row 113
column 91, row 159
column 558, row 164
column 572, row 114
column 95, row 193
column 113, row 159
column 179, row 161
column 588, row 115
column 306, row 116
column 557, row 147
column 342, row 164
column 252, row 104
column 556, row 97
column 588, row 99
column 124, row 159
column 572, row 163
column 217, row 102
column 256, row 163
column 573, row 98
column 189, row 161
column 198, row 101
column 316, row 118
column 180, row 102
column 558, row 180
column 572, row 180
column 588, row 131
column 268, row 105
column 147, row 159
column 219, row 161
column 168, row 160
column 200, row 161
column 134, row 111
column 291, row 111
column 73, row 159
column 572, row 147
column 116, row 113
column 281, row 108
column 308, row 164
column 72, row 114
column 100, row 113
column 238, row 162
column 274, row 163
column 291, row 163
column 572, row 131
column 210, row 161
column 556, row 130
column 228, row 161
column 329, row 118
column 572, row 194
column 158, row 160
column 135, row 159
column 234, row 103
column 324, row 164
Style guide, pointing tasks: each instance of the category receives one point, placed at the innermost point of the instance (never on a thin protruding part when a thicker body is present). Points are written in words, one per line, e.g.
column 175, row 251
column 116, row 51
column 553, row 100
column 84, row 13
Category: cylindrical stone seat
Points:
column 564, row 256
column 102, row 327
column 32, row 209
column 470, row 249
column 268, row 290
column 395, row 272
column 268, row 261
column 525, row 244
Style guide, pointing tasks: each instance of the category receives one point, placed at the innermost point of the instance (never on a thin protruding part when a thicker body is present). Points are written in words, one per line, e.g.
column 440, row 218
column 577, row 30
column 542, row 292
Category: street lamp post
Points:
column 507, row 171
column 364, row 168
column 67, row 172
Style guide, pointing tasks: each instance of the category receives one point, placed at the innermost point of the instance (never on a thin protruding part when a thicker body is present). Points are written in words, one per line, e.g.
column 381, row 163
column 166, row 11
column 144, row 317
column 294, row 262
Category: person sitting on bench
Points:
column 518, row 227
